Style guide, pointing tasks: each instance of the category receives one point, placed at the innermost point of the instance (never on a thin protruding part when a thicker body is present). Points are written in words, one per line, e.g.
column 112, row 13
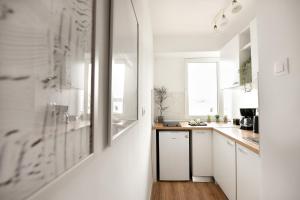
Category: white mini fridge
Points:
column 174, row 156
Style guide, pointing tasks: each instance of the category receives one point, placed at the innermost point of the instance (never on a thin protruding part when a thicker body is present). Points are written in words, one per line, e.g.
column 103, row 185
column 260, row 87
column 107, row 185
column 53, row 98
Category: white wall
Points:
column 174, row 43
column 170, row 74
column 169, row 71
column 235, row 98
column 278, row 37
column 122, row 171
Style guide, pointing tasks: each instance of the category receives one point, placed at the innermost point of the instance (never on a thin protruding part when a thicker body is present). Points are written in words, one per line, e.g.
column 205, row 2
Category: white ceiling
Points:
column 194, row 18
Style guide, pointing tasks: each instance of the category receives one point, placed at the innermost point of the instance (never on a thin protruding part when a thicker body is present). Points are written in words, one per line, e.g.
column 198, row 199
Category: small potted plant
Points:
column 208, row 118
column 225, row 119
column 217, row 118
column 160, row 97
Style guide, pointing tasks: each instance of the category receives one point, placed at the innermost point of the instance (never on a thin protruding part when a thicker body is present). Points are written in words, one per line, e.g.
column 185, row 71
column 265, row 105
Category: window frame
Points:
column 201, row 60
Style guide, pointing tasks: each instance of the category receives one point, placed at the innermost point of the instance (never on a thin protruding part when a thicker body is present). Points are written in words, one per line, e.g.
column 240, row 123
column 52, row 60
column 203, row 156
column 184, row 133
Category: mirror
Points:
column 123, row 68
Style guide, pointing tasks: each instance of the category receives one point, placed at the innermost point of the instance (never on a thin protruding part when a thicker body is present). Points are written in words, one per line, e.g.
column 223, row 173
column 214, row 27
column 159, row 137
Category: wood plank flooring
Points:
column 186, row 191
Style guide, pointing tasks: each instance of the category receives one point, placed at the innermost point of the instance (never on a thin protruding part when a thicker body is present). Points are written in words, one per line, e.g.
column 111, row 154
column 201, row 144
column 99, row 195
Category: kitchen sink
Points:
column 172, row 123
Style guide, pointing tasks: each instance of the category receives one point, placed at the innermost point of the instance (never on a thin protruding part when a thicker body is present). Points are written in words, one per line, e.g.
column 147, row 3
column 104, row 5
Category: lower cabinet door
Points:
column 225, row 164
column 248, row 174
column 202, row 153
column 174, row 155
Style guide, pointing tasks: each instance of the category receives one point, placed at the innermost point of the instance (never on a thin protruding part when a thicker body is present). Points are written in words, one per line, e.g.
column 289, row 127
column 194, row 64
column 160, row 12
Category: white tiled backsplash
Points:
column 232, row 101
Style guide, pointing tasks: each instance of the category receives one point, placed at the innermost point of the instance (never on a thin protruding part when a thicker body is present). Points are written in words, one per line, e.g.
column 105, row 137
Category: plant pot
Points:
column 208, row 119
column 225, row 119
column 217, row 119
column 160, row 119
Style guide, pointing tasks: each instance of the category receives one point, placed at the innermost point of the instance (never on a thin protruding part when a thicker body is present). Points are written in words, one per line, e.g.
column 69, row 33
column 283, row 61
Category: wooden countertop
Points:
column 226, row 129
column 239, row 136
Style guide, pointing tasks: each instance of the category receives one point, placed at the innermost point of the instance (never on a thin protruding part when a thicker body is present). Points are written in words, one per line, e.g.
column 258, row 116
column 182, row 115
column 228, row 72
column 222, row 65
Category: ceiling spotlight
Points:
column 236, row 6
column 224, row 20
column 215, row 27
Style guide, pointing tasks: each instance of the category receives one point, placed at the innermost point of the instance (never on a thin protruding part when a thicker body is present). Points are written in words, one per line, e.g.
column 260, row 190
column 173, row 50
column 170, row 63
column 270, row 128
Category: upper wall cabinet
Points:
column 245, row 57
column 229, row 64
column 248, row 54
column 239, row 59
column 254, row 50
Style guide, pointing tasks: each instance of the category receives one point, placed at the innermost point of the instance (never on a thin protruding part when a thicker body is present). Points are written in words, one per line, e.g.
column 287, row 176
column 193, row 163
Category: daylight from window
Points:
column 118, row 88
column 202, row 88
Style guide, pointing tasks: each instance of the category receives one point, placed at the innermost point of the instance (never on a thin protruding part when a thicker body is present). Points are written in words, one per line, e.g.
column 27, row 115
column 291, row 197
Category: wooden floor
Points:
column 186, row 191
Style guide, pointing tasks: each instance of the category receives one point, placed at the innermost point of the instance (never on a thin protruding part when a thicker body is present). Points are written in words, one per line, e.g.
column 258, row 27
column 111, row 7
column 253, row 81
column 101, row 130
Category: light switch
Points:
column 281, row 67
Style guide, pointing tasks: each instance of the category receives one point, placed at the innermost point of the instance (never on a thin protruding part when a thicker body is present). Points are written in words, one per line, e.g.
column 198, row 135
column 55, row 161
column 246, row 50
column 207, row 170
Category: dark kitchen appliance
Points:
column 236, row 122
column 247, row 114
column 255, row 124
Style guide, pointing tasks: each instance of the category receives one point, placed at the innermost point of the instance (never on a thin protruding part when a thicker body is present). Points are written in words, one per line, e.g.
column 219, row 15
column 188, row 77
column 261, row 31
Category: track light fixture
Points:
column 236, row 6
column 221, row 19
column 224, row 20
column 215, row 27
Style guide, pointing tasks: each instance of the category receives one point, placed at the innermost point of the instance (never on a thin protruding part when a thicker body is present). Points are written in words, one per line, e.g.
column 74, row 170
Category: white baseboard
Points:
column 202, row 179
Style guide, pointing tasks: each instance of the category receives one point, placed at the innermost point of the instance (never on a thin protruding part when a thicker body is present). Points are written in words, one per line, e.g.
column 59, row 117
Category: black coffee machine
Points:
column 247, row 114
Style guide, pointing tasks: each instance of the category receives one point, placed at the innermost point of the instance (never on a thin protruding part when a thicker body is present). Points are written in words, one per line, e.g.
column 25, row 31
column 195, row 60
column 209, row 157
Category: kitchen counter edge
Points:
column 228, row 130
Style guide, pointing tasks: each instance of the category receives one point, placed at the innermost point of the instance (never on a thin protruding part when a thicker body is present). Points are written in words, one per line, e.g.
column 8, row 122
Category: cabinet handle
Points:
column 235, row 83
column 230, row 143
column 242, row 151
column 201, row 133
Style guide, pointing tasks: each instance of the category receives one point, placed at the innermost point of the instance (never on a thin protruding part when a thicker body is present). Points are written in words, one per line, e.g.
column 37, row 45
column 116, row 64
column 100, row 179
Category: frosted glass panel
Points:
column 45, row 91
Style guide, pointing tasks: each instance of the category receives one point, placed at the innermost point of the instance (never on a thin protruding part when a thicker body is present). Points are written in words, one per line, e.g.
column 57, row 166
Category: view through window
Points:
column 118, row 88
column 202, row 88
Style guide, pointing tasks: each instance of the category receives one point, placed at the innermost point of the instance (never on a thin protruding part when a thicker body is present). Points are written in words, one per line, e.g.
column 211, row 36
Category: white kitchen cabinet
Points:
column 243, row 46
column 248, row 174
column 202, row 154
column 254, row 50
column 174, row 162
column 229, row 64
column 224, row 163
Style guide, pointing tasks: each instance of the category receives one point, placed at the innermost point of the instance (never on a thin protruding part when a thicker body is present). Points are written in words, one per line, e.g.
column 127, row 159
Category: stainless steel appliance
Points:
column 247, row 114
column 172, row 123
column 236, row 122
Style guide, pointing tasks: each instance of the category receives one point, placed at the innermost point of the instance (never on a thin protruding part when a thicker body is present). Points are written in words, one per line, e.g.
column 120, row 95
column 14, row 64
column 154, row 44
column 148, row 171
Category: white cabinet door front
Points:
column 229, row 64
column 225, row 164
column 202, row 153
column 248, row 174
column 217, row 153
column 174, row 155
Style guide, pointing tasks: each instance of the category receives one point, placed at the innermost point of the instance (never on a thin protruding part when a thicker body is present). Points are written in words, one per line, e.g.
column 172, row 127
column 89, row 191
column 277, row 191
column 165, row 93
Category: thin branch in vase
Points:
column 161, row 94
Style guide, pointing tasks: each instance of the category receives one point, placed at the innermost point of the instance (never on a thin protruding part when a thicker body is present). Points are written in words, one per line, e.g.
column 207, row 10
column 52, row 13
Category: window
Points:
column 202, row 94
column 118, row 88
